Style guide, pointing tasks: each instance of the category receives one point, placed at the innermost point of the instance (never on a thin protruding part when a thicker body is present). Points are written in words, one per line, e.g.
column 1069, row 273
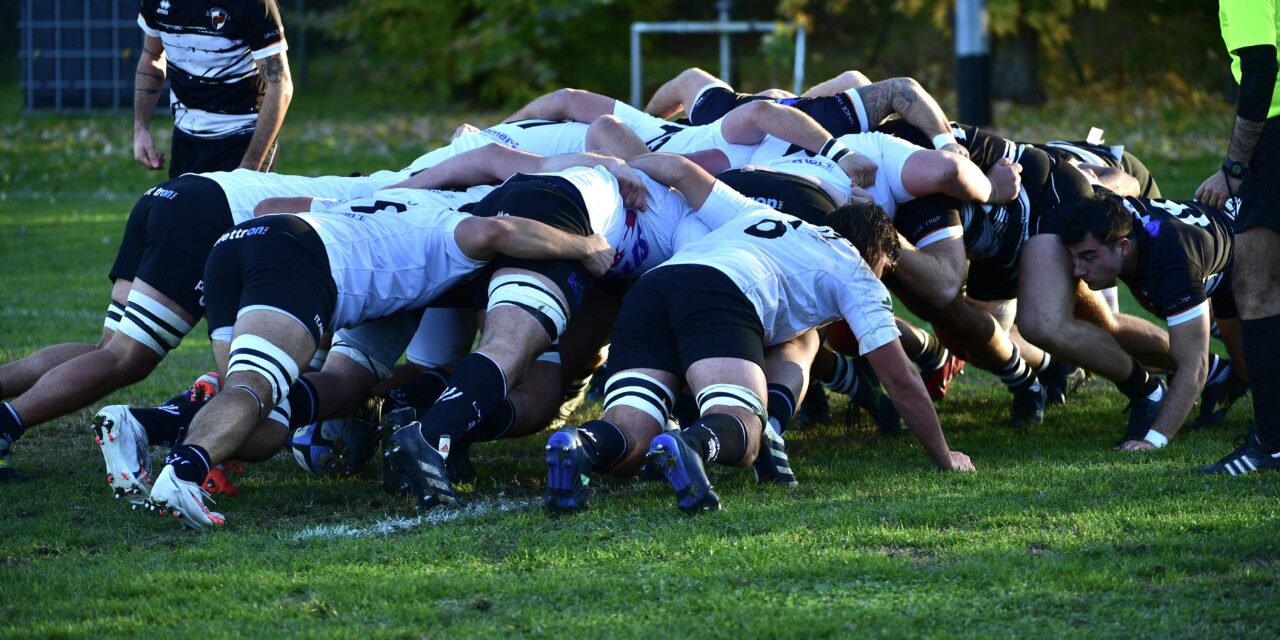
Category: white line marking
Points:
column 394, row 524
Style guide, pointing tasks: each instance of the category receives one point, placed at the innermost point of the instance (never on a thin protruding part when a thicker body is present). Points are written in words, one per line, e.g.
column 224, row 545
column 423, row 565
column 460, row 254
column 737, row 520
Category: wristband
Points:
column 1156, row 438
column 943, row 139
column 318, row 359
column 834, row 150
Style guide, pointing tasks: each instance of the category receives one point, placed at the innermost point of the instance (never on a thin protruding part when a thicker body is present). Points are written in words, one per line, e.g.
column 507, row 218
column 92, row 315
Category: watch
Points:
column 1234, row 169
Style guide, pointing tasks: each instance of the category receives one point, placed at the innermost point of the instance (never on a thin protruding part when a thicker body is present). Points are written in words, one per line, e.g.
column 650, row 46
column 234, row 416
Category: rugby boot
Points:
column 871, row 398
column 1142, row 414
column 815, row 409
column 423, row 466
column 1216, row 400
column 360, row 437
column 394, row 482
column 182, row 500
column 218, row 482
column 938, row 380
column 567, row 465
column 7, row 471
column 1061, row 379
column 683, row 469
column 1249, row 456
column 123, row 443
column 1028, row 405
column 772, row 464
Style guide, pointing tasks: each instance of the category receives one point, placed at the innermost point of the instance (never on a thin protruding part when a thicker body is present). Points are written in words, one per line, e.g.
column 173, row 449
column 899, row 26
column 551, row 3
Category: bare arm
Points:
column 489, row 164
column 905, row 97
column 484, row 238
column 928, row 172
column 282, row 204
column 750, row 123
column 851, row 79
column 1189, row 346
column 679, row 173
column 148, row 82
column 274, row 71
column 906, row 390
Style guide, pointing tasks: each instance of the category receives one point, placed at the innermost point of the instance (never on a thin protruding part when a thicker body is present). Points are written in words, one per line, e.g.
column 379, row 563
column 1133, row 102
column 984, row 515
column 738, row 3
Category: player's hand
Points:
column 632, row 188
column 1135, row 445
column 860, row 169
column 1214, row 191
column 144, row 151
column 954, row 147
column 599, row 255
column 1006, row 181
column 463, row 129
column 960, row 462
column 858, row 194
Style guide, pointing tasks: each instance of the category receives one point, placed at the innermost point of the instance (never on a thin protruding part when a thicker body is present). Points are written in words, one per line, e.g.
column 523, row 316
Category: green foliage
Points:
column 499, row 51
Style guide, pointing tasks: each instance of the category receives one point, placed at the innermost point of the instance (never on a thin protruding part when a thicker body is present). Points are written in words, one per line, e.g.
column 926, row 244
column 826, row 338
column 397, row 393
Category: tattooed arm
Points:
column 905, row 97
column 147, row 84
column 274, row 73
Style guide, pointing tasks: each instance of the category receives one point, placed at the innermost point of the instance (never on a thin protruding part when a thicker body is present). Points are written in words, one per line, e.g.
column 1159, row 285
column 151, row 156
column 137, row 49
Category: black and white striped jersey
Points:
column 211, row 46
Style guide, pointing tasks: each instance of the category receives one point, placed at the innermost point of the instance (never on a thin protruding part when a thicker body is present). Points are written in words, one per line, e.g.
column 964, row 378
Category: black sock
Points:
column 605, row 442
column 494, row 425
column 10, row 424
column 932, row 353
column 717, row 437
column 420, row 392
column 476, row 388
column 1262, row 360
column 2, row 396
column 782, row 405
column 304, row 403
column 844, row 378
column 190, row 462
column 1139, row 384
column 167, row 424
column 1016, row 373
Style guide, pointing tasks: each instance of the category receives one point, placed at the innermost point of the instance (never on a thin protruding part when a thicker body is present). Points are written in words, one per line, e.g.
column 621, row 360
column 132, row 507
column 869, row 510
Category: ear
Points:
column 1123, row 245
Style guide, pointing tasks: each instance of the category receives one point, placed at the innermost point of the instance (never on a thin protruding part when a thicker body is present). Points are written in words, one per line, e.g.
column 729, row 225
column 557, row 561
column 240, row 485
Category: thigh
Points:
column 1046, row 289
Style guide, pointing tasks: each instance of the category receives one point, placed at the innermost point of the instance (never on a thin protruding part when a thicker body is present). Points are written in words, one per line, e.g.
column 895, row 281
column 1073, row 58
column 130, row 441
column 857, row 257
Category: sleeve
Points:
column 724, row 204
column 984, row 148
column 1247, row 23
column 146, row 25
column 265, row 34
column 928, row 220
column 865, row 304
column 1178, row 292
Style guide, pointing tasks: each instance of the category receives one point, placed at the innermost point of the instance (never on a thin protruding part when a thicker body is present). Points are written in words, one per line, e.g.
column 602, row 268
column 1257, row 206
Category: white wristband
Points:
column 943, row 139
column 1156, row 438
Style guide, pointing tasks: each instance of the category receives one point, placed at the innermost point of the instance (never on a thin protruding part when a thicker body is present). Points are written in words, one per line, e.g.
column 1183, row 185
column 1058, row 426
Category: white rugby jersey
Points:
column 543, row 137
column 666, row 136
column 245, row 188
column 210, row 49
column 889, row 153
column 797, row 276
column 391, row 261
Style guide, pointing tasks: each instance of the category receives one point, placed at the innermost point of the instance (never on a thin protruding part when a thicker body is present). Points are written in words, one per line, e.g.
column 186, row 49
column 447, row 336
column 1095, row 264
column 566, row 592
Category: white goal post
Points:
column 722, row 27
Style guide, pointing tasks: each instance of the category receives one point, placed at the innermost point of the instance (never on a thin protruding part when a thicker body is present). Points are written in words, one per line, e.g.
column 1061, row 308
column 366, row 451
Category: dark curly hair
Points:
column 869, row 228
column 1099, row 215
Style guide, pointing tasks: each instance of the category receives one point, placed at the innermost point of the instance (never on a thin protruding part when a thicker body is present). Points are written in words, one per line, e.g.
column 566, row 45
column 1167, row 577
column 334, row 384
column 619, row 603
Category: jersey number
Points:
column 379, row 206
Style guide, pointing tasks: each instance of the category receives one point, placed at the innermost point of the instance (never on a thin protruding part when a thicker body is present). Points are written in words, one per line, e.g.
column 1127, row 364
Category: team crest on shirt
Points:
column 218, row 17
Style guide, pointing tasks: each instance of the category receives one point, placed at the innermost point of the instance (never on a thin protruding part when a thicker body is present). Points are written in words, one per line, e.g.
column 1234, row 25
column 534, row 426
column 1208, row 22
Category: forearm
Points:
column 679, row 173
column 148, row 82
column 491, row 163
column 906, row 391
column 1258, row 68
column 275, row 102
column 551, row 164
column 919, row 109
column 1180, row 398
column 1244, row 137
column 527, row 239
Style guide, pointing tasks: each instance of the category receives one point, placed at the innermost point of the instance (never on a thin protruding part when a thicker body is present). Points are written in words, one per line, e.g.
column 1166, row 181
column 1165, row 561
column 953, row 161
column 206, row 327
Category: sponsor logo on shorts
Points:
column 167, row 194
column 236, row 234
column 774, row 203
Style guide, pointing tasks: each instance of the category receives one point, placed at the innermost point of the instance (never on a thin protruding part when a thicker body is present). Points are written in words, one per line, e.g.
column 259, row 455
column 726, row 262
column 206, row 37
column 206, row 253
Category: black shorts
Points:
column 277, row 262
column 836, row 114
column 785, row 192
column 168, row 237
column 1260, row 191
column 923, row 217
column 1223, row 299
column 554, row 202
column 190, row 154
column 989, row 281
column 660, row 326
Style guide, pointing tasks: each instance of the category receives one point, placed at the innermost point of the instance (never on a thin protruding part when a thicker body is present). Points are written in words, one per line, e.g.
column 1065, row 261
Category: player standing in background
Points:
column 1252, row 172
column 227, row 74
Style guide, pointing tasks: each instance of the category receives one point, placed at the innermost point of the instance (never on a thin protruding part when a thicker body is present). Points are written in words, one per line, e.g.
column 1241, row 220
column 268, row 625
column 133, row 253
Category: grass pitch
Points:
column 1055, row 535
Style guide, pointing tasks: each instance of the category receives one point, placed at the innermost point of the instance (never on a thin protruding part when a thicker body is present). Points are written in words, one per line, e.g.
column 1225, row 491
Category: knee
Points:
column 1038, row 330
column 853, row 78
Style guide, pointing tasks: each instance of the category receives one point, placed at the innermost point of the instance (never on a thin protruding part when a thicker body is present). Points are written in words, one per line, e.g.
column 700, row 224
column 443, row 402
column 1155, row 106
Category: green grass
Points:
column 1055, row 535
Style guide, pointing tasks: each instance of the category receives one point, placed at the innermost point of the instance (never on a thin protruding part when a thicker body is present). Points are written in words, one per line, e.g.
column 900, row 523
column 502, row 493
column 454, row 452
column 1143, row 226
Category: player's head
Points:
column 1096, row 231
column 871, row 231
